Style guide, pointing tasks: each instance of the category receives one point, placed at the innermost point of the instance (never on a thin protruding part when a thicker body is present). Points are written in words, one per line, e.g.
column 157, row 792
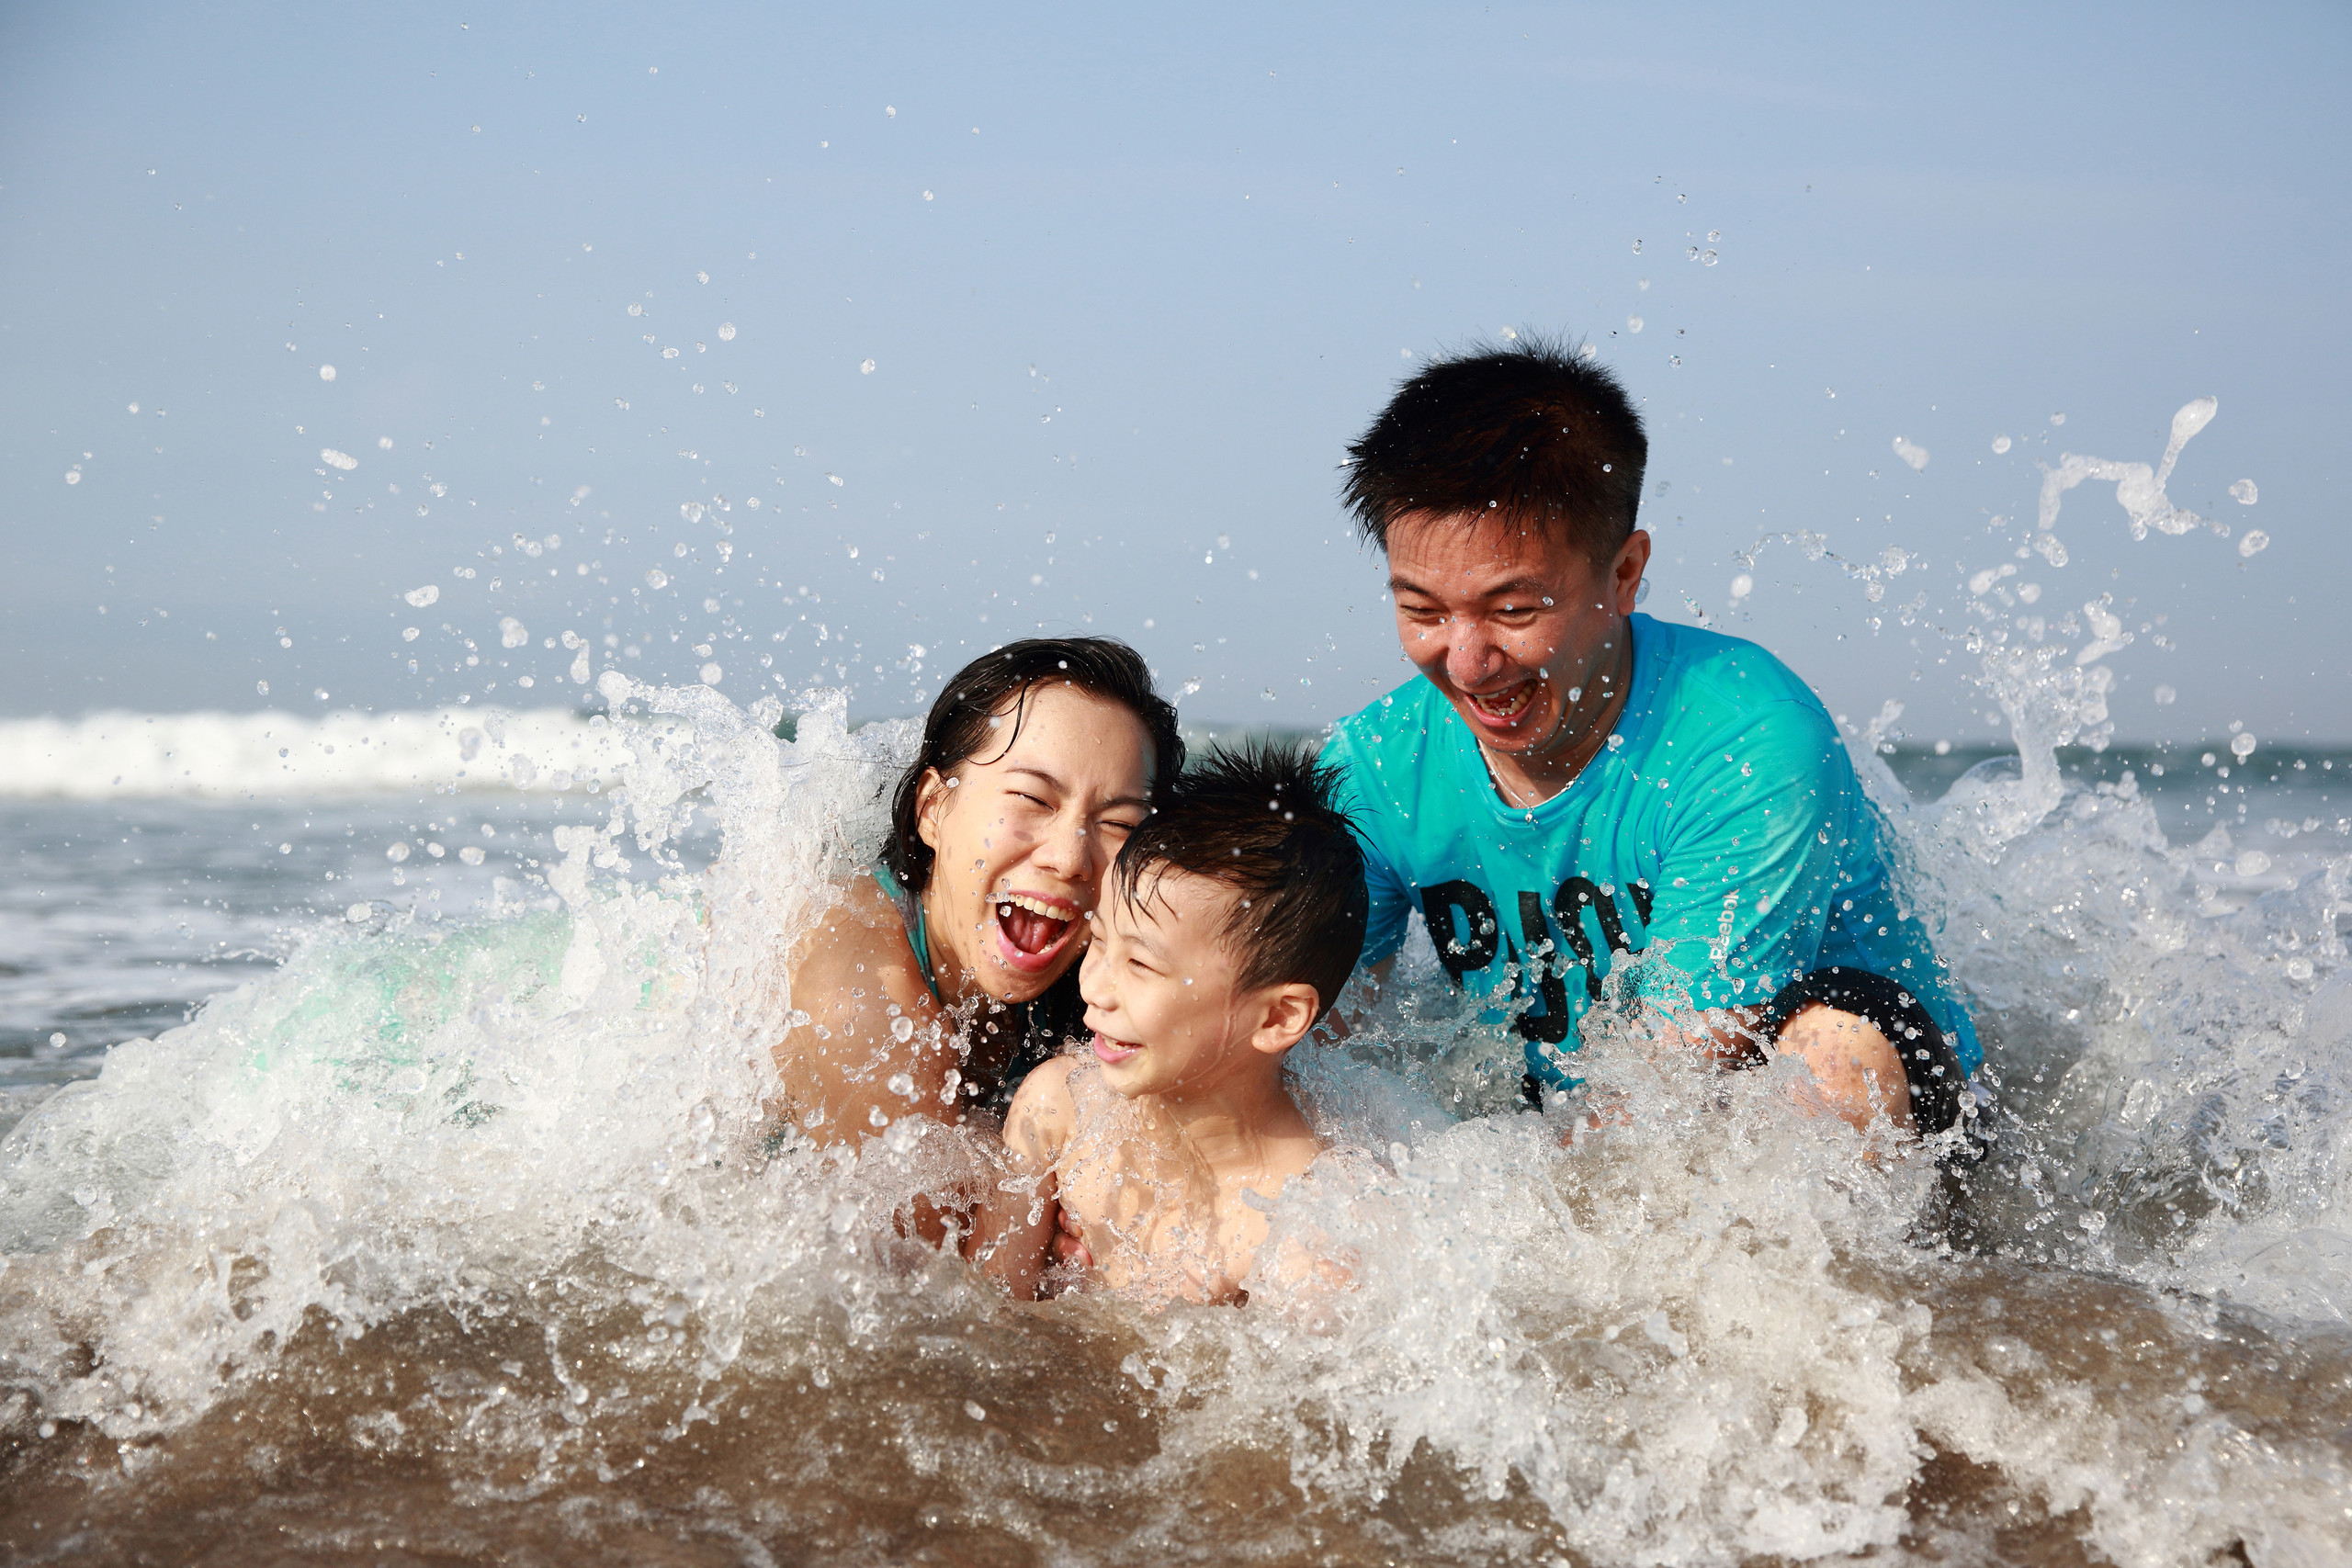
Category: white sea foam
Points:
column 226, row 756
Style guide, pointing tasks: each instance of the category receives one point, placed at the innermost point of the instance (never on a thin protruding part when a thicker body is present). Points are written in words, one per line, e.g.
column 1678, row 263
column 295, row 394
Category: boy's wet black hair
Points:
column 999, row 682
column 1535, row 433
column 1260, row 821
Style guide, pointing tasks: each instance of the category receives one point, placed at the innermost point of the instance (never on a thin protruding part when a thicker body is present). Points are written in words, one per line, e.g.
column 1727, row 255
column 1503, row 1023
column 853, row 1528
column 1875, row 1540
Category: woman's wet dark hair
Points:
column 959, row 728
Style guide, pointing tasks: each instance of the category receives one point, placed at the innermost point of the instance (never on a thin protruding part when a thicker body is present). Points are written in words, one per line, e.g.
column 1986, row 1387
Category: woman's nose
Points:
column 1070, row 850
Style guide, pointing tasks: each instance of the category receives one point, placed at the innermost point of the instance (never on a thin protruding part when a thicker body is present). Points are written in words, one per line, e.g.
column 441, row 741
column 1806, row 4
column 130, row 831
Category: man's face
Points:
column 1518, row 628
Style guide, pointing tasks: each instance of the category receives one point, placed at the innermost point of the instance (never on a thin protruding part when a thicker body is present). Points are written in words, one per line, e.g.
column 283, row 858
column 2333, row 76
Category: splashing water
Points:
column 454, row 1232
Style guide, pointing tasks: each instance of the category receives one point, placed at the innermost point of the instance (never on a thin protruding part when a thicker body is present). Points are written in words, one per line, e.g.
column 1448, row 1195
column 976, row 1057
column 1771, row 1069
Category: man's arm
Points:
column 1766, row 830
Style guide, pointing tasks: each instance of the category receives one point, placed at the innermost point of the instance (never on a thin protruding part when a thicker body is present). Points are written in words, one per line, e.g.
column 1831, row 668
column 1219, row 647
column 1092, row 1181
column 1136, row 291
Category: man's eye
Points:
column 1122, row 826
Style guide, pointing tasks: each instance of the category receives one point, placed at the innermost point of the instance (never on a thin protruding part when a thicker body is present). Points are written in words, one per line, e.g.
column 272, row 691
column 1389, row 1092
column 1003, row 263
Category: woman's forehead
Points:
column 1069, row 725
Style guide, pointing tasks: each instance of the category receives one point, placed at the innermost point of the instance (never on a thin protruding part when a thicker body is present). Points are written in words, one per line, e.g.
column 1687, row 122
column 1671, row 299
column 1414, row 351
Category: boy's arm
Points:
column 1013, row 1228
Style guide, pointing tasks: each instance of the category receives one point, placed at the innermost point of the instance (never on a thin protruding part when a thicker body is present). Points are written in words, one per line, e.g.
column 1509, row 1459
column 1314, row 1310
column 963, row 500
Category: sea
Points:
column 387, row 1174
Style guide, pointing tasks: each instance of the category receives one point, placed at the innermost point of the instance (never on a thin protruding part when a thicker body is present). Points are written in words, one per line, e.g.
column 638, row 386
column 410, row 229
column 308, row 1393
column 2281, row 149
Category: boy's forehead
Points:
column 1166, row 900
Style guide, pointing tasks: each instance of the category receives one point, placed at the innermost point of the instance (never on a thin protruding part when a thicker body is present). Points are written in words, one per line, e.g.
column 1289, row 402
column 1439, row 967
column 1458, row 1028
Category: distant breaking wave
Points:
column 235, row 756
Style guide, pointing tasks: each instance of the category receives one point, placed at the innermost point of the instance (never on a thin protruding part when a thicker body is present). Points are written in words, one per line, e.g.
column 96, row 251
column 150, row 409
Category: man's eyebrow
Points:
column 1517, row 587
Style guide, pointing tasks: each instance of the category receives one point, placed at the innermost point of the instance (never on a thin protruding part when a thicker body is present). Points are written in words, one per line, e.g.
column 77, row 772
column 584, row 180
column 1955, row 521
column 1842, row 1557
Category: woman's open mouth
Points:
column 1032, row 928
column 1502, row 710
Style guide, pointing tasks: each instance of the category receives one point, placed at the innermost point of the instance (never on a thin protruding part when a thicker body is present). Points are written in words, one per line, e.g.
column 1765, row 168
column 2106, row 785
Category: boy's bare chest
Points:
column 1172, row 1231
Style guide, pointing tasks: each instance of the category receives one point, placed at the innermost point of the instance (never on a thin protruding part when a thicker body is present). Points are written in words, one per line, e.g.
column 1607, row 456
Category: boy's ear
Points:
column 931, row 801
column 1286, row 1013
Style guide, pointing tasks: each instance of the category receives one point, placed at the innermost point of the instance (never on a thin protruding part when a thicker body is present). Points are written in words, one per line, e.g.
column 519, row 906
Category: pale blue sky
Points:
column 1216, row 239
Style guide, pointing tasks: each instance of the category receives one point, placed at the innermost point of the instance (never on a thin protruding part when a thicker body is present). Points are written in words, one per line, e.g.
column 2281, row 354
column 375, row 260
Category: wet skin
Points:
column 1526, row 636
column 1148, row 1147
column 1022, row 833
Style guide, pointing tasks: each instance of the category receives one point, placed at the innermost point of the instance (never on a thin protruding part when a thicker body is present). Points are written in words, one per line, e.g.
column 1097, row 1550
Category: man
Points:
column 1568, row 780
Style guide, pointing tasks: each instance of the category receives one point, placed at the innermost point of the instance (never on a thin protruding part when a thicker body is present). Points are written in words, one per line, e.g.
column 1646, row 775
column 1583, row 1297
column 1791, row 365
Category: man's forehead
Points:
column 1475, row 542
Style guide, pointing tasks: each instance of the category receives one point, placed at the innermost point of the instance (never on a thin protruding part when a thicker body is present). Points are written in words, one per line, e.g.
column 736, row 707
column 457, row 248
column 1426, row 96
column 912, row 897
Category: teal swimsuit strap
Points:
column 911, row 914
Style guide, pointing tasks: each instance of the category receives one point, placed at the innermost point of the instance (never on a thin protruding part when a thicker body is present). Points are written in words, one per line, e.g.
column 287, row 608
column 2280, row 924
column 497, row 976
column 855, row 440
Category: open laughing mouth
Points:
column 1113, row 1052
column 1502, row 710
column 1031, row 929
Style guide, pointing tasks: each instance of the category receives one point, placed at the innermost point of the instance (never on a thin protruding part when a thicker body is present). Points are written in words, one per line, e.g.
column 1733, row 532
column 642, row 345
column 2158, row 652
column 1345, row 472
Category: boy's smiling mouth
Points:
column 1111, row 1052
column 1031, row 929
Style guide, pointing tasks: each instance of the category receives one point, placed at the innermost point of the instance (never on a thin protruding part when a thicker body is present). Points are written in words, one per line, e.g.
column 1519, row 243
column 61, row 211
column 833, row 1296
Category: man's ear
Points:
column 931, row 803
column 1285, row 1014
column 1626, row 571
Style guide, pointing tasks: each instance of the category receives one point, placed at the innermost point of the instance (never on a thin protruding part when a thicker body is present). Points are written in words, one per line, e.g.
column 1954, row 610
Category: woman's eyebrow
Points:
column 1038, row 774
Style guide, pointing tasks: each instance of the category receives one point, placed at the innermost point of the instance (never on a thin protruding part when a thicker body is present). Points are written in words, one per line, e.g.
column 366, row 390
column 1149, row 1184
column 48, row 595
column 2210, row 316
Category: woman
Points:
column 952, row 966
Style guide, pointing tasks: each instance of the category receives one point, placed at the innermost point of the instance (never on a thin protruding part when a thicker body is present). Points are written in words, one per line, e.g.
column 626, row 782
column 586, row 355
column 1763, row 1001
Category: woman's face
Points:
column 1023, row 832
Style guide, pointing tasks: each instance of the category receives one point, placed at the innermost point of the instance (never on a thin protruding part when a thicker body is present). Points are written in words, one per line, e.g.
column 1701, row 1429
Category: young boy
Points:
column 1230, row 921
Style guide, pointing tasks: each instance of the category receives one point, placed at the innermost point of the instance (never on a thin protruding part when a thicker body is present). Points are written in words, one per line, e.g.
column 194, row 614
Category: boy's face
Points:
column 1160, row 992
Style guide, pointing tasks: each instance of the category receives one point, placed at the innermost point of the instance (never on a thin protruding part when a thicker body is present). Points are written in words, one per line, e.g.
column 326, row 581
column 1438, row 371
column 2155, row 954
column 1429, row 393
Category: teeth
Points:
column 1508, row 704
column 1034, row 906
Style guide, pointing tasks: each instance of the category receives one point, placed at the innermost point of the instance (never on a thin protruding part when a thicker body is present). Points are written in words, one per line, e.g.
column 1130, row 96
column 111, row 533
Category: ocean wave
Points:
column 236, row 756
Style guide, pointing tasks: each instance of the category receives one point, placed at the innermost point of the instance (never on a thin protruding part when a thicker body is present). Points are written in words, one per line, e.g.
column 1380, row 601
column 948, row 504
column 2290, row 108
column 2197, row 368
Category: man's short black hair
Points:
column 1536, row 431
column 1260, row 820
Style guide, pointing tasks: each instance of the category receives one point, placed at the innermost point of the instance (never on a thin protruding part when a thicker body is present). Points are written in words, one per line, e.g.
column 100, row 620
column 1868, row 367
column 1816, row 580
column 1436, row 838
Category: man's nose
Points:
column 1471, row 655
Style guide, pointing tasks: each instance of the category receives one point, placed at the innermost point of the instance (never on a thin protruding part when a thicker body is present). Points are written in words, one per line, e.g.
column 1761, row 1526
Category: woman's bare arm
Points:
column 1014, row 1227
column 876, row 1045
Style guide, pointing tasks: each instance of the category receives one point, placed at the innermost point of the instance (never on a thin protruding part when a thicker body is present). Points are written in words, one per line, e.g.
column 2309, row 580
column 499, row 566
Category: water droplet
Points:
column 926, row 195
column 421, row 597
column 1632, row 323
column 835, row 478
column 2000, row 444
column 702, row 277
column 1742, row 586
column 710, row 674
column 262, row 687
column 2242, row 745
column 900, row 1084
column 727, row 332
column 2254, row 542
column 1713, row 235
column 669, row 354
column 1708, row 259
column 974, row 1409
column 72, row 475
column 2057, row 419
column 398, row 852
column 636, row 310
column 865, row 368
column 2166, row 697
column 334, row 459
column 889, row 112
column 471, row 855
column 326, row 372
column 357, row 914
column 1637, row 247
column 656, row 578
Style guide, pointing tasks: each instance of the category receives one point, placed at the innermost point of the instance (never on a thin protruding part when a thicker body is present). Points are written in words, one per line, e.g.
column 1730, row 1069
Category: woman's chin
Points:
column 1016, row 976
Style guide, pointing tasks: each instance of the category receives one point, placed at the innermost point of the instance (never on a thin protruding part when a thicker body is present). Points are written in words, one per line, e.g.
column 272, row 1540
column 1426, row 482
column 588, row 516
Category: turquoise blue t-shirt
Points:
column 1723, row 819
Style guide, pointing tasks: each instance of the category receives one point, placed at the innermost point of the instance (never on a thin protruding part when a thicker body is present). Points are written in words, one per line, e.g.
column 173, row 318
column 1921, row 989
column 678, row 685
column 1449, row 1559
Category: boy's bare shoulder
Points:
column 1043, row 1112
